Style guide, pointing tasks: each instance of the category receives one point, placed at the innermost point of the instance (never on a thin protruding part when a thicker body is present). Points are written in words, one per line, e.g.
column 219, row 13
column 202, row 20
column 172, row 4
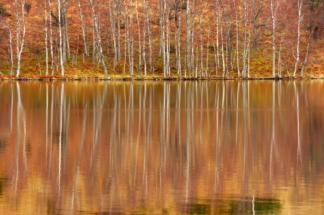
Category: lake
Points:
column 188, row 147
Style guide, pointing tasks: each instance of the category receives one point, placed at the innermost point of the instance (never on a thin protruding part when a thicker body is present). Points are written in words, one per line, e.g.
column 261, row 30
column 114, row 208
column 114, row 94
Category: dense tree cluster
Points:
column 184, row 37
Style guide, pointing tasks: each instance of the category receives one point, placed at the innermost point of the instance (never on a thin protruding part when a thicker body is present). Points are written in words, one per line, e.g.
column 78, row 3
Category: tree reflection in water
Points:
column 213, row 147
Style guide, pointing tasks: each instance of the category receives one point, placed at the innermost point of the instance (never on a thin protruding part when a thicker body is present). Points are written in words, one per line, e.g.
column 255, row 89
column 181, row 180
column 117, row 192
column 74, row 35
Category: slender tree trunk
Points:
column 300, row 17
column 167, row 28
column 59, row 14
column 131, row 39
column 67, row 52
column 85, row 46
column 161, row 20
column 216, row 48
column 139, row 34
column 188, row 36
column 113, row 30
column 20, row 36
column 207, row 54
column 201, row 48
column 274, row 20
column 237, row 42
column 246, row 41
column 97, row 37
column 279, row 58
column 11, row 54
column 46, row 36
column 177, row 35
column 145, row 30
column 307, row 52
column 119, row 7
column 151, row 68
column 51, row 37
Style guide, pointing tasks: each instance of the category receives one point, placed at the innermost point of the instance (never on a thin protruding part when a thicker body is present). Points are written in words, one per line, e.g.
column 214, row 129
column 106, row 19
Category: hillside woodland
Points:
column 162, row 38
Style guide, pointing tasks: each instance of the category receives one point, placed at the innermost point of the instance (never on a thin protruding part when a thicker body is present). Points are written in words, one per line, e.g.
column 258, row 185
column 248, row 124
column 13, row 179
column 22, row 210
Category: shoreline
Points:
column 151, row 78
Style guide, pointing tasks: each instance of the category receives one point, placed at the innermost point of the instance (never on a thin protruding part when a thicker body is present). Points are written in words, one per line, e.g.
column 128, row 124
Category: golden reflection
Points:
column 234, row 147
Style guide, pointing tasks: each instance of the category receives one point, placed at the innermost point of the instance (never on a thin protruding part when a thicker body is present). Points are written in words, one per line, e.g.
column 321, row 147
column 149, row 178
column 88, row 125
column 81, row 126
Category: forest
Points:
column 162, row 38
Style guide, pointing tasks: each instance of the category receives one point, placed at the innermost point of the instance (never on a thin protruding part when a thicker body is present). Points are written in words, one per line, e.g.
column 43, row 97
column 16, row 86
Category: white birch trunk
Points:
column 20, row 36
column 59, row 13
column 46, row 36
column 85, row 46
column 273, row 19
column 188, row 36
column 113, row 30
column 300, row 17
column 139, row 40
column 237, row 42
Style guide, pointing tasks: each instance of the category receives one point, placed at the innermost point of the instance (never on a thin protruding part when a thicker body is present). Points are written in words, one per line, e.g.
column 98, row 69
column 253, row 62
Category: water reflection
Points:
column 161, row 147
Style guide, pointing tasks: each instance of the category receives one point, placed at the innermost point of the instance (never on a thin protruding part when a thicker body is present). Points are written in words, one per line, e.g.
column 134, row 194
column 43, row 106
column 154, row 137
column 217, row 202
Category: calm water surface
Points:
column 162, row 147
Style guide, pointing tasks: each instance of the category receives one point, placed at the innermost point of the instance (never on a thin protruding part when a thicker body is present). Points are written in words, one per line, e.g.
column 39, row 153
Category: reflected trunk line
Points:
column 168, row 138
column 113, row 160
column 192, row 126
column 279, row 93
column 74, row 191
column 188, row 141
column 16, row 176
column 217, row 141
column 222, row 112
column 248, row 142
column 97, row 119
column 60, row 149
column 11, row 106
column 177, row 135
column 46, row 125
column 162, row 122
column 66, row 128
column 112, row 132
column 221, row 135
column 237, row 112
column 23, row 119
column 299, row 151
column 119, row 138
column 138, row 132
column 272, row 145
column 167, row 126
column 161, row 135
column 51, row 129
column 131, row 126
column 145, row 144
column 245, row 119
column 201, row 113
column 150, row 124
column 207, row 106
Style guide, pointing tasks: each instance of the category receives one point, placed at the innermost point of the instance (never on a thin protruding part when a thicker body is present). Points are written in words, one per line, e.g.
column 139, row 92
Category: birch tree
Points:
column 130, row 30
column 113, row 30
column 20, row 31
column 85, row 45
column 274, row 5
column 60, row 24
column 188, row 36
column 177, row 8
column 299, row 20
